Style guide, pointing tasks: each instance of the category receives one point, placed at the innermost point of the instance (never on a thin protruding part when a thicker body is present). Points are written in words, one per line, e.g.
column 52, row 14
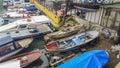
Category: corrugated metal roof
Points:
column 112, row 6
column 5, row 40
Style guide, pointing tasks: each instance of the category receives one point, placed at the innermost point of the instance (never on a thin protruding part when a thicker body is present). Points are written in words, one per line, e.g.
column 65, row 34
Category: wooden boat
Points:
column 25, row 31
column 42, row 62
column 64, row 32
column 9, row 47
column 25, row 59
column 87, row 6
column 71, row 43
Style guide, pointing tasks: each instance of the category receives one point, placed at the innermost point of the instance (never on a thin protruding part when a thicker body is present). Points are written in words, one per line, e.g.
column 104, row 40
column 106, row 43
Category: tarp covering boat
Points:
column 31, row 9
column 5, row 40
column 91, row 59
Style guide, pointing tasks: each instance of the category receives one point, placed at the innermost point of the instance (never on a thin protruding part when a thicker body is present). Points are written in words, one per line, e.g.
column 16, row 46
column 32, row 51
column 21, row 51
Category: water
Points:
column 38, row 43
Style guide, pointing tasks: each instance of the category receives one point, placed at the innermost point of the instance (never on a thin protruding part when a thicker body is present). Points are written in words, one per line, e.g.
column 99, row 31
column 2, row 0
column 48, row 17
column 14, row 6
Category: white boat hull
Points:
column 10, row 54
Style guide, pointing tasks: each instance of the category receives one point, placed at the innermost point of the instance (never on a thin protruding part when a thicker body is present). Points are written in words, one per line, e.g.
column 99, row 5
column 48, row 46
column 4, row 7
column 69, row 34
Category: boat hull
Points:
column 11, row 53
column 22, row 45
column 32, row 35
column 55, row 46
column 26, row 58
column 61, row 34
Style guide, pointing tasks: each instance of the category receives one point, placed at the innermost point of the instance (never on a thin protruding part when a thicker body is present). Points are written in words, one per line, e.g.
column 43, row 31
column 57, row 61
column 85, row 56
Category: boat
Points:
column 25, row 59
column 90, row 59
column 26, row 31
column 14, row 15
column 86, row 6
column 27, row 21
column 41, row 62
column 9, row 47
column 72, row 42
column 64, row 32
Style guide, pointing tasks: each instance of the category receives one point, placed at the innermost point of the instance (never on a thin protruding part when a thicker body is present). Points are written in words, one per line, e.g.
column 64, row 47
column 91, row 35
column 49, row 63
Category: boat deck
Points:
column 42, row 29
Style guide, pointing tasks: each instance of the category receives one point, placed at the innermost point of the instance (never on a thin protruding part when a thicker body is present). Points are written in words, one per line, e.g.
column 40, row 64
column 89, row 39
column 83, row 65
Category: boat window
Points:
column 17, row 32
column 6, row 49
column 8, row 33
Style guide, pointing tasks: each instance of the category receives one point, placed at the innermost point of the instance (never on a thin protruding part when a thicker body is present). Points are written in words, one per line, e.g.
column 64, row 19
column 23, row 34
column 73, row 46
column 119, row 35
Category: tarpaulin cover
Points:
column 31, row 8
column 91, row 59
column 5, row 40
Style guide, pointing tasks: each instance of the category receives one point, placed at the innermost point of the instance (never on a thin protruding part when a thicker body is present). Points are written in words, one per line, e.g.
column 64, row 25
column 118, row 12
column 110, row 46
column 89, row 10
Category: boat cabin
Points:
column 7, row 45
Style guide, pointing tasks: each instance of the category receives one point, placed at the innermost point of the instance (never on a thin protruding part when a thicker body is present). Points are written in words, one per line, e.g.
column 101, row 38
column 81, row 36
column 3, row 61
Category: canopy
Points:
column 31, row 8
column 91, row 59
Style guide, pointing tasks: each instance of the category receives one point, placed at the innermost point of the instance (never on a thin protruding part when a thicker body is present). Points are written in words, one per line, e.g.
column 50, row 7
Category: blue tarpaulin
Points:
column 5, row 40
column 91, row 59
column 31, row 9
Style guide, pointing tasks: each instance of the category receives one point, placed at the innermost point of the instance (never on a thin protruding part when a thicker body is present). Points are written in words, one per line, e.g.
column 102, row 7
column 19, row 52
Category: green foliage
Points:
column 73, row 20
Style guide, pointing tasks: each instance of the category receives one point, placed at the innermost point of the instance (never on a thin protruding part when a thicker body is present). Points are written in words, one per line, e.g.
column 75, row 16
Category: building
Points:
column 111, row 16
column 107, row 15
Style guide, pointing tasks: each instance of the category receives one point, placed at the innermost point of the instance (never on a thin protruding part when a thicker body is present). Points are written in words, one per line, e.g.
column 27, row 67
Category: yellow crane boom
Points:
column 49, row 13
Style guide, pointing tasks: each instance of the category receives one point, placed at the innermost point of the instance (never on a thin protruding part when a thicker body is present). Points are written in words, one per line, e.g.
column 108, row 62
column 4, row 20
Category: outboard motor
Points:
column 106, row 32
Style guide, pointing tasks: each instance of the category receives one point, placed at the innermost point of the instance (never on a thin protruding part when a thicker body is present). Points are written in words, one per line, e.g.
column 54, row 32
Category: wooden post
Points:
column 102, row 13
column 108, row 18
column 95, row 17
column 114, row 20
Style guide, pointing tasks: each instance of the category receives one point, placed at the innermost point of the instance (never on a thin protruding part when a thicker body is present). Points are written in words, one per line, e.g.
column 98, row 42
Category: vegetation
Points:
column 72, row 19
column 53, row 27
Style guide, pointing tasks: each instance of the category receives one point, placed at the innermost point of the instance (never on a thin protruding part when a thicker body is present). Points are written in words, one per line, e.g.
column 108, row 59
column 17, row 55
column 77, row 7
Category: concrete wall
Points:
column 114, row 1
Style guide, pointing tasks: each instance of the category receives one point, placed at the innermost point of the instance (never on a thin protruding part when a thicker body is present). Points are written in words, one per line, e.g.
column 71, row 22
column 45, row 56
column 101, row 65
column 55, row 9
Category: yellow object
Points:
column 51, row 15
column 118, row 65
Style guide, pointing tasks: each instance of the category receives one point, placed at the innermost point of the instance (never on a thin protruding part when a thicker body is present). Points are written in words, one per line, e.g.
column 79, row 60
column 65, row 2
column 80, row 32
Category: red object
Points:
column 26, row 58
column 23, row 16
column 28, row 14
column 59, row 12
column 51, row 46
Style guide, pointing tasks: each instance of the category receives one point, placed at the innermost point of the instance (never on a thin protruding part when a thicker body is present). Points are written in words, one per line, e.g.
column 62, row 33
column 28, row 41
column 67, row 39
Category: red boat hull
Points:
column 25, row 59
